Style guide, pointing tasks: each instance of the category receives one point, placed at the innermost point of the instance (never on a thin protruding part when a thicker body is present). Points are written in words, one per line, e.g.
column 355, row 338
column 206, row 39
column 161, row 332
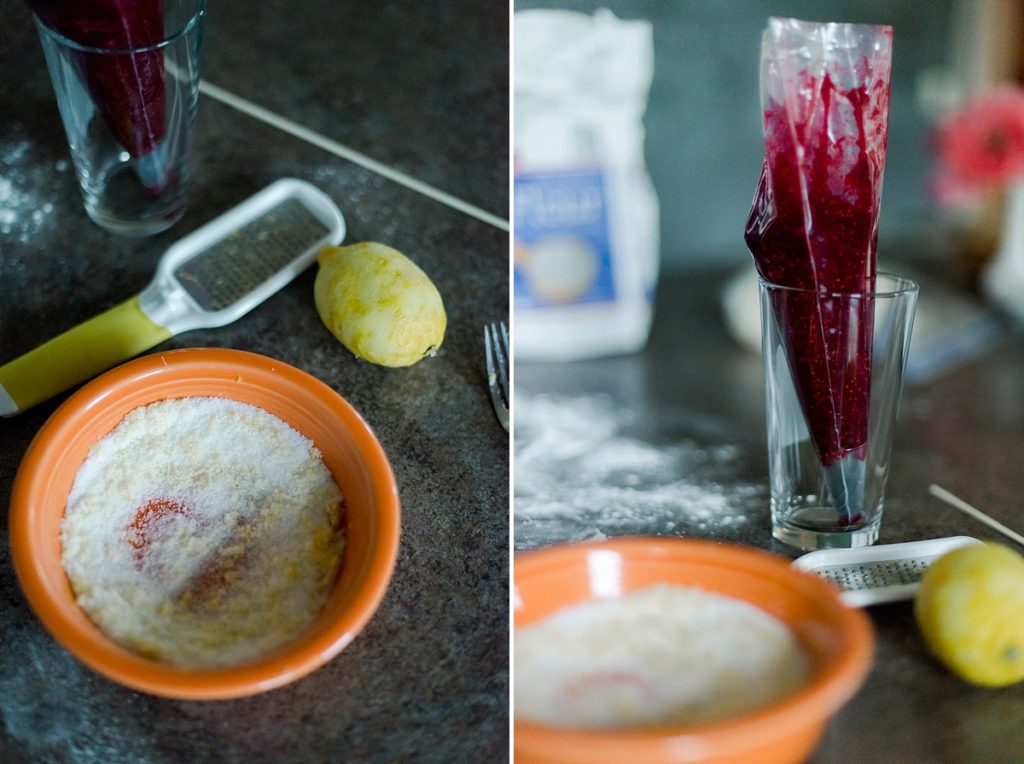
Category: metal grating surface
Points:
column 226, row 272
column 873, row 575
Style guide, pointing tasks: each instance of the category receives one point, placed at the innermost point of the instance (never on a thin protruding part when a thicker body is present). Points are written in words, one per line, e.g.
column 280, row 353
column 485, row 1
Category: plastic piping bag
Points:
column 814, row 224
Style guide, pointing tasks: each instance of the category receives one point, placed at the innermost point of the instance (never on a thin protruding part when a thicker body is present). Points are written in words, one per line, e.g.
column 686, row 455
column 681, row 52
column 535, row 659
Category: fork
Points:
column 496, row 350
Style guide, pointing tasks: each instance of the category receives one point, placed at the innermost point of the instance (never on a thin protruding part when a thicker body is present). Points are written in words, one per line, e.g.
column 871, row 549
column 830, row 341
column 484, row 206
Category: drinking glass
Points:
column 831, row 407
column 129, row 111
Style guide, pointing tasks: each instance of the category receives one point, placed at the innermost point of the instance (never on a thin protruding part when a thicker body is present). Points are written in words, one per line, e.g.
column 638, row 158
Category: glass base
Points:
column 130, row 227
column 119, row 202
column 805, row 530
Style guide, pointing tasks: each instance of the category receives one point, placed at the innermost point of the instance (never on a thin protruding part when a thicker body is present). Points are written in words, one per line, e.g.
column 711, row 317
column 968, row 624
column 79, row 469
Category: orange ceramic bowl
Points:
column 838, row 640
column 349, row 448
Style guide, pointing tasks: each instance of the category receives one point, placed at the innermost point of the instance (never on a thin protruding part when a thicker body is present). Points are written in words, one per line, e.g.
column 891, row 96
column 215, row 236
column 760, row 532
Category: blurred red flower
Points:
column 980, row 146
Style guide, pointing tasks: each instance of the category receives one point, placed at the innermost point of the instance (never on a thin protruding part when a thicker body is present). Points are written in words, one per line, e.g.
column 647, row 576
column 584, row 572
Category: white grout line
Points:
column 293, row 128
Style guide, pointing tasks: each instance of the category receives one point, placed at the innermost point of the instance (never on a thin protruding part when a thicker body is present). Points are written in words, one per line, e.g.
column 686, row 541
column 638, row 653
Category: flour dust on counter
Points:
column 202, row 532
column 23, row 211
column 581, row 474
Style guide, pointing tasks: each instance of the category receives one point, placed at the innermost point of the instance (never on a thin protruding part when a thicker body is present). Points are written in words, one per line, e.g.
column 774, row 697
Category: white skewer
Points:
column 977, row 514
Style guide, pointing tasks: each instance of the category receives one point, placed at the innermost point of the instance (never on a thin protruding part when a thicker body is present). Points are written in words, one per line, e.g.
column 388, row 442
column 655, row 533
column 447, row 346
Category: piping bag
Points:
column 127, row 90
column 814, row 225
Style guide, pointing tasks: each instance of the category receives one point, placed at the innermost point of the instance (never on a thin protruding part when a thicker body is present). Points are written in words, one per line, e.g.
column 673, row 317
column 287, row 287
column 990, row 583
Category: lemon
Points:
column 379, row 304
column 970, row 609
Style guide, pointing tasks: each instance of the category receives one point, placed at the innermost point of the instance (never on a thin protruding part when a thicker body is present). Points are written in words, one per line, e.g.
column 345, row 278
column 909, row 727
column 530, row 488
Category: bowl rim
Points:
column 280, row 666
column 814, row 703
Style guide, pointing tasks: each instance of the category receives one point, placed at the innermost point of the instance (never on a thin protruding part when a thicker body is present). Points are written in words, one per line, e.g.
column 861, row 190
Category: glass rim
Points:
column 187, row 27
column 901, row 286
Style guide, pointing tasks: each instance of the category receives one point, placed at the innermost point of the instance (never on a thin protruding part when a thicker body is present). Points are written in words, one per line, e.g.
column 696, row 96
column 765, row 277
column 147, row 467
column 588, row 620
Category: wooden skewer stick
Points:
column 954, row 501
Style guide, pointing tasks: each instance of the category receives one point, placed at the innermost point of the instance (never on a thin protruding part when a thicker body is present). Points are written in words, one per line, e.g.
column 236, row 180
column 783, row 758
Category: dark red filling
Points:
column 128, row 90
column 814, row 225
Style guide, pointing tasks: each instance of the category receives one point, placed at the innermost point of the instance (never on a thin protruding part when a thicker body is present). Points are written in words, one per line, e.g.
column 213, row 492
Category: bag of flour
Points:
column 586, row 215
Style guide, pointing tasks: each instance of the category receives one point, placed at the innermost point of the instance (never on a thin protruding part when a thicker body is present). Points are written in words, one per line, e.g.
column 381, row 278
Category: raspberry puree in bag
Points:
column 814, row 224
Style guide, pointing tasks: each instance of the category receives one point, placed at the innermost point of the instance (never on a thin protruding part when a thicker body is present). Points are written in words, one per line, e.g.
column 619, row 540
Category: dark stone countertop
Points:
column 671, row 441
column 422, row 89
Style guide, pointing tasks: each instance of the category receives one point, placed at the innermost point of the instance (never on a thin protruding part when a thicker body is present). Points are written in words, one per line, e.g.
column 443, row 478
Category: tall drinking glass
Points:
column 126, row 78
column 832, row 415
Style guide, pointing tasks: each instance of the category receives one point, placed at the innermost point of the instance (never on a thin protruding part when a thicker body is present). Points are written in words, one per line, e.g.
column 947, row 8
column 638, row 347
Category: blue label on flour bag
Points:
column 562, row 253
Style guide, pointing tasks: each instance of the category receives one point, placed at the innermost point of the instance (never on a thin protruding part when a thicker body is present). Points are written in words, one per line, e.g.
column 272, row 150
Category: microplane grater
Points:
column 222, row 270
column 209, row 278
column 227, row 271
column 876, row 574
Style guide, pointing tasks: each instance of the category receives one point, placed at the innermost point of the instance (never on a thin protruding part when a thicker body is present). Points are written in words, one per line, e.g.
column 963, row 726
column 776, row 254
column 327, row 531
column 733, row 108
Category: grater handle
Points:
column 77, row 355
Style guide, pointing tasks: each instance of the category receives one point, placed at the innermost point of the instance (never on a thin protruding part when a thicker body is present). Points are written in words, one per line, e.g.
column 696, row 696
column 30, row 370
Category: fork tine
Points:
column 497, row 374
column 507, row 374
column 501, row 354
column 489, row 353
column 504, row 342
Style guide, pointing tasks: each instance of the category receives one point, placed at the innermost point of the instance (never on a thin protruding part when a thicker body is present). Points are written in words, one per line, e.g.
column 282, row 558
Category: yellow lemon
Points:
column 379, row 304
column 970, row 609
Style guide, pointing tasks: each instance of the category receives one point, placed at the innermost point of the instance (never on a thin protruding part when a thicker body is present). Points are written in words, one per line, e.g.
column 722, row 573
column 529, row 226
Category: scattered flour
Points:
column 662, row 655
column 202, row 532
column 22, row 210
column 579, row 476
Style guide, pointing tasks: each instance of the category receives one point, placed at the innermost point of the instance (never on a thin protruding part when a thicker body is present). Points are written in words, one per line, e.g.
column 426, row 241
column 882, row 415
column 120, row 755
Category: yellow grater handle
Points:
column 77, row 355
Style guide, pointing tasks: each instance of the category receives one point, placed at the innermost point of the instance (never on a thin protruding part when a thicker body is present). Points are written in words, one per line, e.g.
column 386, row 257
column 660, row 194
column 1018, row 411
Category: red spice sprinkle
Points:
column 140, row 529
column 588, row 683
